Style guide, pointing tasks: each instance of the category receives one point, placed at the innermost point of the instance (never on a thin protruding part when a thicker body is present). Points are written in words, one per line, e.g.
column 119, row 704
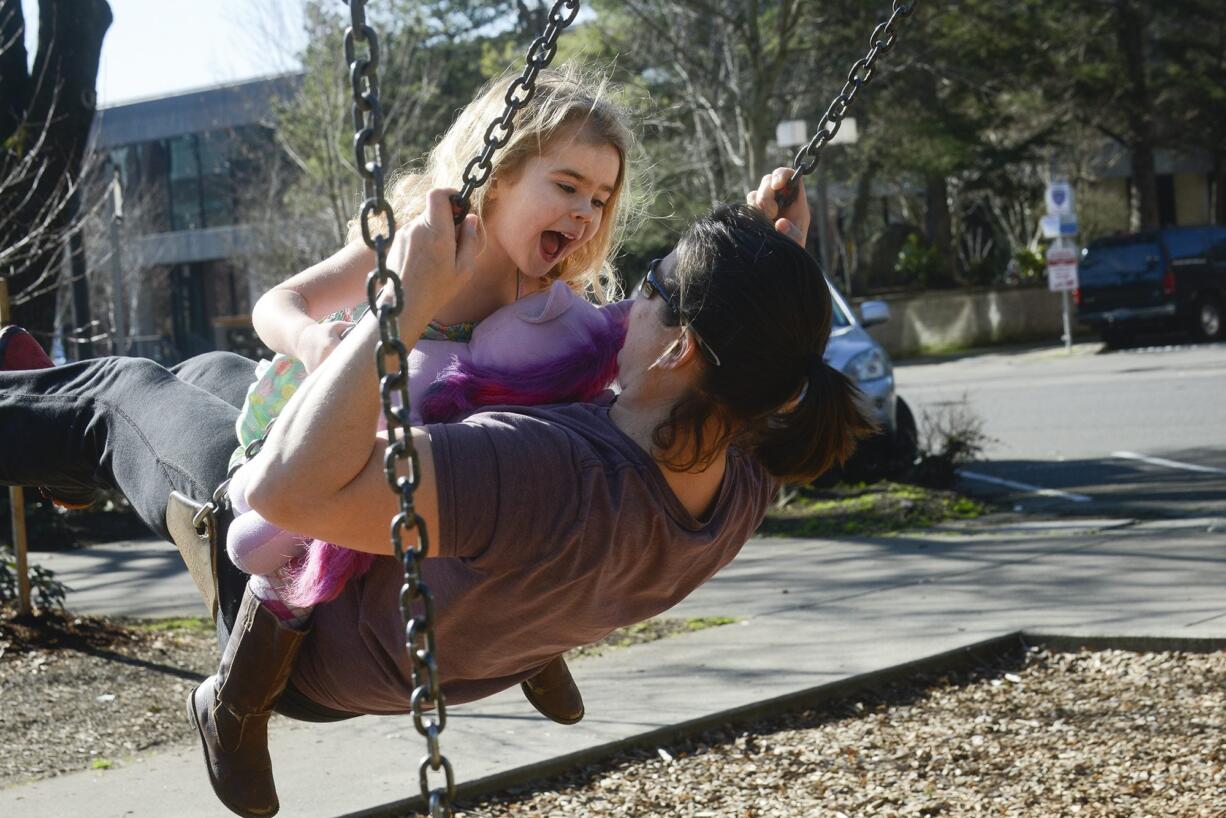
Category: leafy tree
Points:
column 722, row 75
column 429, row 66
column 958, row 122
column 1146, row 75
column 1192, row 68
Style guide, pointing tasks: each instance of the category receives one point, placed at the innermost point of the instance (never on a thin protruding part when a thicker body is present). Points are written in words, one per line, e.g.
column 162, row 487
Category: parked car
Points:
column 1174, row 278
column 857, row 354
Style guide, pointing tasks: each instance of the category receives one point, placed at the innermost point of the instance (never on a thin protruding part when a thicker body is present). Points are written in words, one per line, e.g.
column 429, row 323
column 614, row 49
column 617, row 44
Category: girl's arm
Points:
column 286, row 317
column 321, row 470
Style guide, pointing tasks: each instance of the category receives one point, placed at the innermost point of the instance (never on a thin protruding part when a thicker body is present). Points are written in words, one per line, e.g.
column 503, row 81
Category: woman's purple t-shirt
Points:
column 556, row 528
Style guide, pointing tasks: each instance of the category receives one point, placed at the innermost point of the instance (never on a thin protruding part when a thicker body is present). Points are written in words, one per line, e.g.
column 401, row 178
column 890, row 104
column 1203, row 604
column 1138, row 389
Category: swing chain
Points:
column 205, row 520
column 881, row 41
column 378, row 226
column 544, row 48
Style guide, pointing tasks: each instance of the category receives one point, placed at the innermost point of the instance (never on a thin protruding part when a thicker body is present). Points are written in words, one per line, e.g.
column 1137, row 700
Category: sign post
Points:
column 17, row 500
column 791, row 134
column 1062, row 278
column 1060, row 224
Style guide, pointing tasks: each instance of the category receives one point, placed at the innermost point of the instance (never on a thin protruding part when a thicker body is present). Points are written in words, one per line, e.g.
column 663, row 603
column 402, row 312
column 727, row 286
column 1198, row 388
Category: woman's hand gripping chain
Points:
column 791, row 217
column 434, row 256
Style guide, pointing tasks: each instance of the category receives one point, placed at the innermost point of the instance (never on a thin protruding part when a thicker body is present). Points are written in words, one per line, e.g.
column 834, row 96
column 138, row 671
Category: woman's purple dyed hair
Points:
column 582, row 373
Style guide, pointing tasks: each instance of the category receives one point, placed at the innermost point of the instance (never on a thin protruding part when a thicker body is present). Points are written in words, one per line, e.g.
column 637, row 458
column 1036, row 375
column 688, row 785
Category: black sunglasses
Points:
column 650, row 286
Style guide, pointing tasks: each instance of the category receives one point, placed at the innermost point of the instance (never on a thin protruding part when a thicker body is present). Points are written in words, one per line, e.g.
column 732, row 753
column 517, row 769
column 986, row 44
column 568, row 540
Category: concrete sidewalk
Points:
column 812, row 612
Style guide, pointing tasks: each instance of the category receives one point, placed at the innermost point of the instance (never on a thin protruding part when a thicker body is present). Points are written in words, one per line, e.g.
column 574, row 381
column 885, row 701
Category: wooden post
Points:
column 17, row 500
column 17, row 508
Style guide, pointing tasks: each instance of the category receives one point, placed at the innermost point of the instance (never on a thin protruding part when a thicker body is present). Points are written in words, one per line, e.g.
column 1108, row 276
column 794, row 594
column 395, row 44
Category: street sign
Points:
column 848, row 133
column 1060, row 198
column 1050, row 225
column 792, row 133
column 1061, row 269
column 1068, row 225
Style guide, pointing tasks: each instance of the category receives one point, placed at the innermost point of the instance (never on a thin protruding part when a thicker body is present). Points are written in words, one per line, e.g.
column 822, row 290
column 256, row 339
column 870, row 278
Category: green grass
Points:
column 649, row 631
column 866, row 510
column 701, row 623
column 179, row 623
column 100, row 764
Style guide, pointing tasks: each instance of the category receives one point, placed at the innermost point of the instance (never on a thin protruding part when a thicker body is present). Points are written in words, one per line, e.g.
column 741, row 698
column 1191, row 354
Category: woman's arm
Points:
column 321, row 469
column 287, row 316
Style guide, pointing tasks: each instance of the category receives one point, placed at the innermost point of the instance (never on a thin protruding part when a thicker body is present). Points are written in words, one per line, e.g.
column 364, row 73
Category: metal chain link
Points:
column 523, row 88
column 378, row 225
column 205, row 520
column 881, row 41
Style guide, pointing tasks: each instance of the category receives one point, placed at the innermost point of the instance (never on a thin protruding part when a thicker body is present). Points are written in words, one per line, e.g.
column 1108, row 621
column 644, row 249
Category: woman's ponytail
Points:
column 819, row 431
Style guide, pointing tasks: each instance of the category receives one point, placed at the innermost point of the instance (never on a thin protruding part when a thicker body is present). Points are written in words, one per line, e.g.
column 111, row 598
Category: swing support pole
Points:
column 17, row 500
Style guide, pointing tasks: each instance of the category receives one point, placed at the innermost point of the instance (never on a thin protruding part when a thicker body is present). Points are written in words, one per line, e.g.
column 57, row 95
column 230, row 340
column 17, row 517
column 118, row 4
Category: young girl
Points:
column 520, row 334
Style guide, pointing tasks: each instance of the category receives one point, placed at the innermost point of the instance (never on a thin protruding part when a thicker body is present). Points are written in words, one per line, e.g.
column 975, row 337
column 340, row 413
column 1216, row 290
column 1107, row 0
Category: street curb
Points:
column 963, row 658
column 1063, row 643
column 976, row 654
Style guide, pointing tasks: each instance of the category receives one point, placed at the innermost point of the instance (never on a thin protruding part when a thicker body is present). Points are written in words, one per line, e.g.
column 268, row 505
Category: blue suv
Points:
column 1174, row 278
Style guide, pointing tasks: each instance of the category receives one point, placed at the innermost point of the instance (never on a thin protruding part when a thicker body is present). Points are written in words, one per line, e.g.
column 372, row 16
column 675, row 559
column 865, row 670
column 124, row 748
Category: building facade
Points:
column 187, row 165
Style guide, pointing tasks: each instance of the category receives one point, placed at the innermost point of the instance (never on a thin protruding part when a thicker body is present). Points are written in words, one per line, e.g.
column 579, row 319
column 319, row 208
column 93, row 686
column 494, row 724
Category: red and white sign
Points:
column 1062, row 269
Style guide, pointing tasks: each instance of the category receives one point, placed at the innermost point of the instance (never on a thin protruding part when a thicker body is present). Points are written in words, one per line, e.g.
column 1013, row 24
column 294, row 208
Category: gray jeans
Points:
column 133, row 425
column 124, row 423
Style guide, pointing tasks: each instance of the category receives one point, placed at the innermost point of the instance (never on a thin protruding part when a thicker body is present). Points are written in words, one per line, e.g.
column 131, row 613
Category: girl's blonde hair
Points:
column 567, row 101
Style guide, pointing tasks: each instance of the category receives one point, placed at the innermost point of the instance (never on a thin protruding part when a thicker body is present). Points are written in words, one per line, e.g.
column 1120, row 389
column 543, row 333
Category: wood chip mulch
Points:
column 1108, row 733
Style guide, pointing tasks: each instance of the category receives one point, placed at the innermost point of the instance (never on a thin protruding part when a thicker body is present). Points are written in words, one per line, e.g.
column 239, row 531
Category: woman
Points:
column 551, row 526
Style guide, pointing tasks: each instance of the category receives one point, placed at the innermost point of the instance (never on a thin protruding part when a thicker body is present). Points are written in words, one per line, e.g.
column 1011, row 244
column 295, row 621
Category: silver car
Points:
column 857, row 355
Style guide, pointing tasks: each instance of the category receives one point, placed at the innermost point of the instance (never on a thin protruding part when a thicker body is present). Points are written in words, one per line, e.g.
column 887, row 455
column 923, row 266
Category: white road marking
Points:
column 1170, row 464
column 1013, row 484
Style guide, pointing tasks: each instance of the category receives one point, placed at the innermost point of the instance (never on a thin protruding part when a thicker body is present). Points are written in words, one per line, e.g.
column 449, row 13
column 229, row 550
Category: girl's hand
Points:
column 316, row 342
column 438, row 256
column 792, row 219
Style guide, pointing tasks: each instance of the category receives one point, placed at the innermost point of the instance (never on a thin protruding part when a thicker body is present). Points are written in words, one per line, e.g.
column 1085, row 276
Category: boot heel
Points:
column 553, row 692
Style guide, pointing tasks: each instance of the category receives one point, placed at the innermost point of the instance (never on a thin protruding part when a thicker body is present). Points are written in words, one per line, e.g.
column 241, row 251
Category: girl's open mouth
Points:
column 553, row 243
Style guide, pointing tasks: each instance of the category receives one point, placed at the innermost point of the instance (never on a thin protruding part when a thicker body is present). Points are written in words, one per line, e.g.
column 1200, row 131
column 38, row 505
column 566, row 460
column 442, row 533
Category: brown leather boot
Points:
column 554, row 693
column 230, row 710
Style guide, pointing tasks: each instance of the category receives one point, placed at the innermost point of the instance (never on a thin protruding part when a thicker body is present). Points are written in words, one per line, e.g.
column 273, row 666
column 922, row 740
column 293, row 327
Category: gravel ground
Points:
column 82, row 692
column 1045, row 735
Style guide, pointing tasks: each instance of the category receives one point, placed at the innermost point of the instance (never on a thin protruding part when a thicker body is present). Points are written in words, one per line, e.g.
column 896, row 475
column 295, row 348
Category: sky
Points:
column 159, row 47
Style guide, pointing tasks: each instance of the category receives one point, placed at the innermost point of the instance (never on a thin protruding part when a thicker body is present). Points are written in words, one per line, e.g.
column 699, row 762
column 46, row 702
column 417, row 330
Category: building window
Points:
column 216, row 180
column 202, row 181
column 185, row 210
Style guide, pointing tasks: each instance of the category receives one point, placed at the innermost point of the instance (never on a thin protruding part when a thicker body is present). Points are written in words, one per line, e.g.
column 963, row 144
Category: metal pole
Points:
column 17, row 500
column 119, row 317
column 1068, row 331
column 1064, row 302
column 80, row 296
column 823, row 223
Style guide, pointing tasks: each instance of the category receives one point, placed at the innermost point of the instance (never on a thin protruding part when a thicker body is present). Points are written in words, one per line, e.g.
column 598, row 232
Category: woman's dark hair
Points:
column 760, row 301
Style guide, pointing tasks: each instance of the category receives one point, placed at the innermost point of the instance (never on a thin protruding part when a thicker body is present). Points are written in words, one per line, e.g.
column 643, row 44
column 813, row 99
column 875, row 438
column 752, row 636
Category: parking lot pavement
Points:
column 1139, row 432
column 1144, row 486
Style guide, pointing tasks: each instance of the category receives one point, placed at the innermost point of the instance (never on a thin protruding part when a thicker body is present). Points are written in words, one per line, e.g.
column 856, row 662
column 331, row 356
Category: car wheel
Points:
column 906, row 439
column 871, row 461
column 1117, row 339
column 1207, row 318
